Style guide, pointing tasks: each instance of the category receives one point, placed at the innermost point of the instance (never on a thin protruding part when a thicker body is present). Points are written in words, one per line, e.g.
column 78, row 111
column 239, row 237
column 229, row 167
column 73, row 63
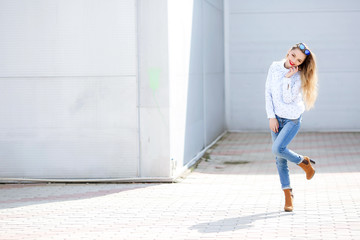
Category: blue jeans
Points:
column 288, row 128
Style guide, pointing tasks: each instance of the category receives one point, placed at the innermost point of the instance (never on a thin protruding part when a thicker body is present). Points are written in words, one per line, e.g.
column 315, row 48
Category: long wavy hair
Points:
column 309, row 79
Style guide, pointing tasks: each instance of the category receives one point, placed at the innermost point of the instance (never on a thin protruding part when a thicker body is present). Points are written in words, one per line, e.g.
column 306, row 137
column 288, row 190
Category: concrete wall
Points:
column 259, row 32
column 196, row 71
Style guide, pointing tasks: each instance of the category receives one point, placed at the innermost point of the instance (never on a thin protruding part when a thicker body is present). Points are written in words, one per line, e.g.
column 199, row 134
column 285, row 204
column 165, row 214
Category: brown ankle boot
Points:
column 307, row 167
column 288, row 200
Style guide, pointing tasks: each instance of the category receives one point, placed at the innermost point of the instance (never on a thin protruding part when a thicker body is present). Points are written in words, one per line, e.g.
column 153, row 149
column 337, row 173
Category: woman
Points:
column 291, row 87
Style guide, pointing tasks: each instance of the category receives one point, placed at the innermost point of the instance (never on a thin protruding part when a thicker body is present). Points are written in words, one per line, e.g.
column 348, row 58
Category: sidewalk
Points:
column 234, row 193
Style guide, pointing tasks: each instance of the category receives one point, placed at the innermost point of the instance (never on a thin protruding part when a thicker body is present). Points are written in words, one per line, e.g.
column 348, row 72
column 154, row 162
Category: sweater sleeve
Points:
column 290, row 93
column 268, row 96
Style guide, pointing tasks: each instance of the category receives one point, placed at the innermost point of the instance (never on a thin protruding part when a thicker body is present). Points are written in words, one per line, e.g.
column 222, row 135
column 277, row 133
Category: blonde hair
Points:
column 309, row 79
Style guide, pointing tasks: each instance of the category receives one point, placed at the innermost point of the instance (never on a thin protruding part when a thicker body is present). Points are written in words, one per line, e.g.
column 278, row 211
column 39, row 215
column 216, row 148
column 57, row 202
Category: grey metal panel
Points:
column 273, row 6
column 194, row 128
column 213, row 39
column 206, row 84
column 338, row 103
column 215, row 111
column 194, row 120
column 68, row 127
column 252, row 48
column 261, row 33
column 67, row 37
column 247, row 101
column 217, row 4
column 214, row 92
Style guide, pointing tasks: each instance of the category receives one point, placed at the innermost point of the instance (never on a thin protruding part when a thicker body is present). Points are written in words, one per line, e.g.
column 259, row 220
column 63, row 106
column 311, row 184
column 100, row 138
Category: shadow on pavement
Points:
column 233, row 224
column 19, row 195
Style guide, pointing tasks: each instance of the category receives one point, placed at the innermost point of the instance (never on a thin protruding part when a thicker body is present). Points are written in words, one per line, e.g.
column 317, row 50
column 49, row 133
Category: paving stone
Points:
column 236, row 194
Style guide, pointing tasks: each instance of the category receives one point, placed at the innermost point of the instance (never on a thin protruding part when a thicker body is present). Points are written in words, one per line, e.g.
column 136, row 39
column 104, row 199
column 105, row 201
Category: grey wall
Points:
column 205, row 116
column 259, row 32
column 213, row 69
column 196, row 52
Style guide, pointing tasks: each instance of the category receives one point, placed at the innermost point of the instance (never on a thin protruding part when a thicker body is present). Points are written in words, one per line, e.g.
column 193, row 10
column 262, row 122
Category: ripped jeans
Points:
column 288, row 128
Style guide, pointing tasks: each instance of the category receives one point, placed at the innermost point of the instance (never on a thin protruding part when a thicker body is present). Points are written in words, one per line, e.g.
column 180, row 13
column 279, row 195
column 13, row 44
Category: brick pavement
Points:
column 234, row 193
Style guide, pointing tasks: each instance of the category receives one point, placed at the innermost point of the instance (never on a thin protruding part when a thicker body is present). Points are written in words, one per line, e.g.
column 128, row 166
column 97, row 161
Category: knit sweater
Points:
column 283, row 95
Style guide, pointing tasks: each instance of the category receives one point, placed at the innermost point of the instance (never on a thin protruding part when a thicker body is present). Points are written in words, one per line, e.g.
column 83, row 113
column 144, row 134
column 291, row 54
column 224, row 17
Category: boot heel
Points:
column 307, row 167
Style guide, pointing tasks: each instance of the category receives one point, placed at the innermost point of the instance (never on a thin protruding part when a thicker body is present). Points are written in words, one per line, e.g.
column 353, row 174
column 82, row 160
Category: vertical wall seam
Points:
column 226, row 65
column 137, row 23
column 203, row 70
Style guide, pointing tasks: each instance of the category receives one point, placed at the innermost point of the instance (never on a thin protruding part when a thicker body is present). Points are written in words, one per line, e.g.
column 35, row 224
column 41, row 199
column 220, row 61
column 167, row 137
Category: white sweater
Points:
column 283, row 95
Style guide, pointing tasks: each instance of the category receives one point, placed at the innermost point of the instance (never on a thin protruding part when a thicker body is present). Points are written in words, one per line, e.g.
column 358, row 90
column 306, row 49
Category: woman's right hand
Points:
column 274, row 125
column 292, row 71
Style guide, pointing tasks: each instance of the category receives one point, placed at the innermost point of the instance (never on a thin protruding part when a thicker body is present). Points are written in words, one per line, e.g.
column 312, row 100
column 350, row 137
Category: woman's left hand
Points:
column 292, row 71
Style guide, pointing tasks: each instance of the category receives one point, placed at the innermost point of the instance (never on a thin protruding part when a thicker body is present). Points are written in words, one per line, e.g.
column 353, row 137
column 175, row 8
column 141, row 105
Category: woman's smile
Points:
column 291, row 63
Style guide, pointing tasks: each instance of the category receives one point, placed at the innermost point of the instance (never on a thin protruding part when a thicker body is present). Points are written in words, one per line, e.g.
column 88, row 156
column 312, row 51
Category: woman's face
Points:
column 294, row 58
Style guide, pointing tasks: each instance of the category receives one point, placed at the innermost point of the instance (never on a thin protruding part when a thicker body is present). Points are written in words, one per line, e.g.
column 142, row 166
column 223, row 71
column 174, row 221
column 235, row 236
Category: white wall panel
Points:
column 68, row 89
column 67, row 37
column 154, row 89
column 68, row 127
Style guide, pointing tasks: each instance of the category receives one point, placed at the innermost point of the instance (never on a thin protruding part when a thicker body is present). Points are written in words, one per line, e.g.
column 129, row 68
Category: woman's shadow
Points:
column 231, row 224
